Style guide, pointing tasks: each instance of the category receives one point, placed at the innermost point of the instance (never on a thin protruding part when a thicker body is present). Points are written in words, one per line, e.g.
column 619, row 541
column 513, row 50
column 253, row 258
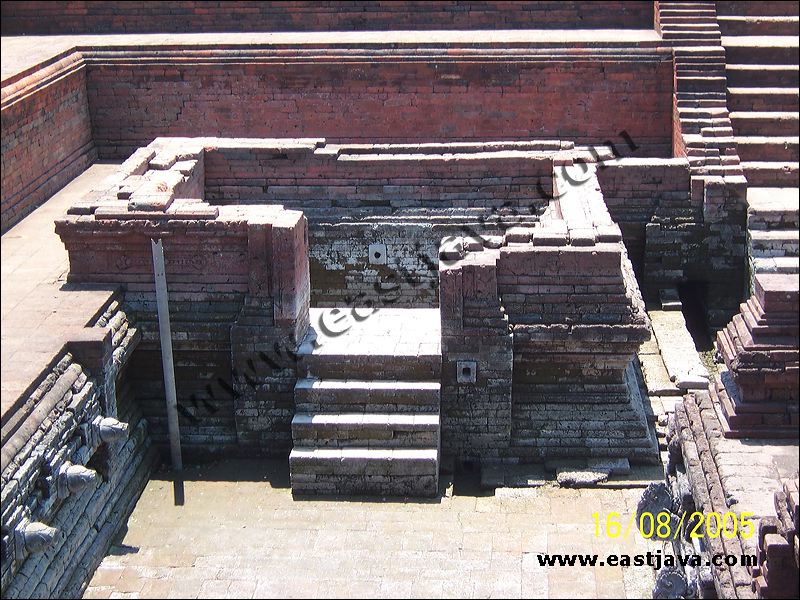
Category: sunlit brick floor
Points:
column 241, row 534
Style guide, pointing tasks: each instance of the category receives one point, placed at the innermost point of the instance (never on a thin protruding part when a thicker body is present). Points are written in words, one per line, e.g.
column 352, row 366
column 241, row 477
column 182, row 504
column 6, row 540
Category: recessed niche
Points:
column 377, row 254
column 466, row 371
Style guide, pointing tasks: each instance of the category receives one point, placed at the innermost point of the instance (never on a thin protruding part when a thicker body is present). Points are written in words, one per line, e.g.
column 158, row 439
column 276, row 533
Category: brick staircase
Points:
column 761, row 49
column 691, row 28
column 367, row 406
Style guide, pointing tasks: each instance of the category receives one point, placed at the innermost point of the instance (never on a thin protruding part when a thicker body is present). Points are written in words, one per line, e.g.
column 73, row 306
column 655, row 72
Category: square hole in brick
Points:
column 467, row 371
column 377, row 254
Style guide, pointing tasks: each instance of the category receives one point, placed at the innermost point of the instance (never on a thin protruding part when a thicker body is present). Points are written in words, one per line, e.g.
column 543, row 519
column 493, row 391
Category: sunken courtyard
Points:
column 400, row 299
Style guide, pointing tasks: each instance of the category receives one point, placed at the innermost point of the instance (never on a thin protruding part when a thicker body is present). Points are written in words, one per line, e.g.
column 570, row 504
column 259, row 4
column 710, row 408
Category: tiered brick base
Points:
column 758, row 393
column 367, row 403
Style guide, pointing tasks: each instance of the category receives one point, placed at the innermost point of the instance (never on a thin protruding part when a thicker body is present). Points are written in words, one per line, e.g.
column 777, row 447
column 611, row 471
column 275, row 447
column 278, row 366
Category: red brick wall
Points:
column 46, row 139
column 369, row 184
column 217, row 270
column 587, row 100
column 149, row 17
column 642, row 191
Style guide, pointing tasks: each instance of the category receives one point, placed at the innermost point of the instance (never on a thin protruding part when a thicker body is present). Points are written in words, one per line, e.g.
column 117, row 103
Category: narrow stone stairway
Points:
column 691, row 28
column 761, row 49
column 367, row 404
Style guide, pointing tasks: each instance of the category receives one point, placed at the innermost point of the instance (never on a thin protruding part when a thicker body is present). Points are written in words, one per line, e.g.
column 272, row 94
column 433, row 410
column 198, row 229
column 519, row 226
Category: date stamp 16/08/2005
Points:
column 668, row 526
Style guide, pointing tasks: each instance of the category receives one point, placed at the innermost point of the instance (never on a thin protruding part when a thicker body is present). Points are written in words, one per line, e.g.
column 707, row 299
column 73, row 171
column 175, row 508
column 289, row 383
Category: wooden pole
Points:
column 165, row 333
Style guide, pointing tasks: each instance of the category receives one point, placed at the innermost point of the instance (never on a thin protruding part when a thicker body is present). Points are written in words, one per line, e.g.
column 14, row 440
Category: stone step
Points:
column 771, row 174
column 701, row 141
column 701, row 84
column 761, row 50
column 406, row 367
column 381, row 471
column 779, row 264
column 759, row 25
column 705, row 113
column 769, row 148
column 673, row 19
column 693, row 5
column 692, row 39
column 768, row 244
column 742, row 99
column 694, row 35
column 717, row 131
column 387, row 344
column 371, row 430
column 766, row 123
column 680, row 10
column 762, row 75
column 739, row 8
column 705, row 127
column 689, row 26
column 317, row 396
column 772, row 208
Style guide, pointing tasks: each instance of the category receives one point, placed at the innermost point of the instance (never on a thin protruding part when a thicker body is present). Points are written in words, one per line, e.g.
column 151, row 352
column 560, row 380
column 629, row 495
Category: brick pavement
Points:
column 38, row 308
column 242, row 535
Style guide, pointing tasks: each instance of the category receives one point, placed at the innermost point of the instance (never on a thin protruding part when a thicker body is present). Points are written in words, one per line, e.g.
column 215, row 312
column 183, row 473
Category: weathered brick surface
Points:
column 47, row 136
column 476, row 415
column 777, row 573
column 239, row 293
column 552, row 324
column 669, row 221
column 700, row 485
column 642, row 192
column 404, row 197
column 186, row 17
column 58, row 427
column 356, row 95
column 704, row 135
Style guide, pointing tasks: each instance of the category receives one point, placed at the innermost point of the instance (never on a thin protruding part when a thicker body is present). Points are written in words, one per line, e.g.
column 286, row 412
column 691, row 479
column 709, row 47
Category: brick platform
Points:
column 548, row 323
column 758, row 393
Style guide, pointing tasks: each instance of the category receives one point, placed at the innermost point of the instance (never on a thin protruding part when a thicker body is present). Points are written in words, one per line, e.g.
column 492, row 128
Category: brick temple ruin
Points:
column 451, row 242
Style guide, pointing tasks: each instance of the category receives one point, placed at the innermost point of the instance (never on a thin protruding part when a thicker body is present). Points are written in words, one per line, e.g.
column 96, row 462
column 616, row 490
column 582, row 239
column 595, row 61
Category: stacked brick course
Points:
column 703, row 134
column 124, row 17
column 245, row 267
column 391, row 95
column 47, row 135
column 777, row 573
column 697, row 438
column 404, row 198
column 761, row 47
column 559, row 300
